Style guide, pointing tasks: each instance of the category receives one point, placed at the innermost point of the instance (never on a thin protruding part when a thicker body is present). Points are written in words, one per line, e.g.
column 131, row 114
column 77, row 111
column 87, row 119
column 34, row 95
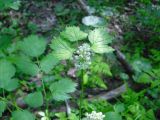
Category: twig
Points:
column 68, row 108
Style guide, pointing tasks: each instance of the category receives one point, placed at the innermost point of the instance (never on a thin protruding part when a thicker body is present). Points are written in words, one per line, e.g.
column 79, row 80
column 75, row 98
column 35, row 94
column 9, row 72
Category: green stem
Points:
column 81, row 96
column 44, row 89
column 3, row 93
column 45, row 94
column 4, row 97
column 13, row 104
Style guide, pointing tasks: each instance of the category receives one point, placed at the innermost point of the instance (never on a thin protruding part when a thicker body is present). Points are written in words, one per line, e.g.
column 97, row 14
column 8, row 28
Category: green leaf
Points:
column 48, row 78
column 4, row 83
column 101, row 67
column 6, row 4
column 34, row 99
column 119, row 107
column 112, row 116
column 2, row 107
column 33, row 45
column 7, row 71
column 100, row 39
column 48, row 63
column 144, row 78
column 5, row 41
column 60, row 9
column 94, row 21
column 150, row 115
column 85, row 78
column 99, row 48
column 61, row 89
column 73, row 34
column 141, row 65
column 12, row 85
column 61, row 49
column 95, row 80
column 26, row 66
column 15, row 5
column 22, row 115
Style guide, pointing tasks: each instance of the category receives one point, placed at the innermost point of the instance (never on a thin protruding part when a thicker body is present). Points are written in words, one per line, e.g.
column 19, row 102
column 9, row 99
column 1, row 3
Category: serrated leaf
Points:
column 60, row 90
column 34, row 99
column 73, row 34
column 62, row 50
column 22, row 115
column 26, row 66
column 99, row 48
column 33, row 45
column 100, row 39
column 48, row 63
column 100, row 35
column 2, row 107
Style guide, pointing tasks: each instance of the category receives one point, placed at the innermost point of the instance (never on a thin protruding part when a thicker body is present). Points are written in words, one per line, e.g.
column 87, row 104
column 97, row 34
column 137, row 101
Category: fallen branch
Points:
column 111, row 94
column 121, row 58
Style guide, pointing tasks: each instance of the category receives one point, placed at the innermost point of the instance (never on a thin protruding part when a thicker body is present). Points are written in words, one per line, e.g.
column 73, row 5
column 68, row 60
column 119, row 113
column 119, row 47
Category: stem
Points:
column 45, row 94
column 43, row 86
column 81, row 96
column 5, row 99
column 11, row 103
column 3, row 93
column 44, row 89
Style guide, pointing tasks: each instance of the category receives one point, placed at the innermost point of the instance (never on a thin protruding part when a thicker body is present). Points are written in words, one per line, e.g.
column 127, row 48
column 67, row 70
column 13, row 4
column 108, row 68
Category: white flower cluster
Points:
column 82, row 57
column 95, row 116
